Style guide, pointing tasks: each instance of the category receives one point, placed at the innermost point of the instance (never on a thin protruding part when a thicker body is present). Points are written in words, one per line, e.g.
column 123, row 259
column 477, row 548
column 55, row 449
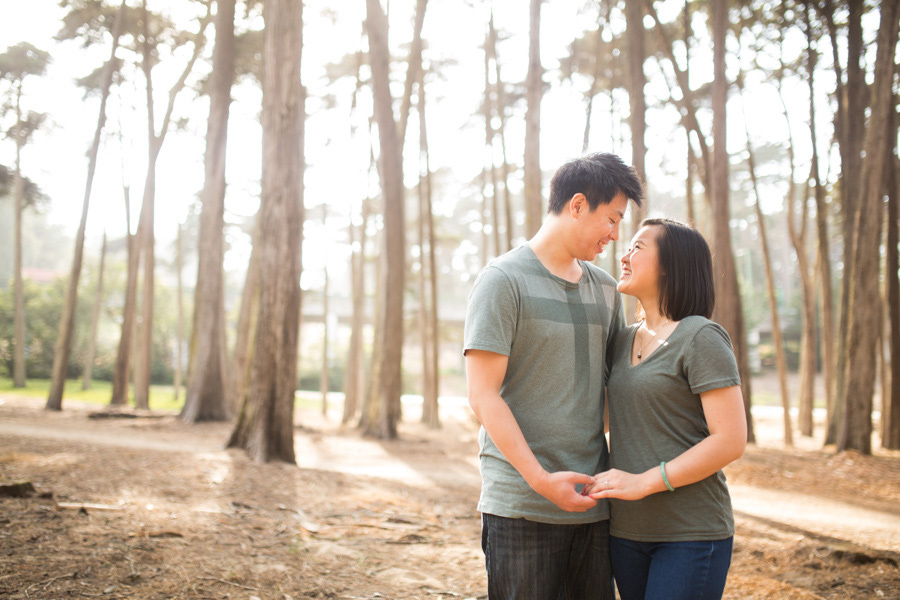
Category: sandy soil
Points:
column 149, row 507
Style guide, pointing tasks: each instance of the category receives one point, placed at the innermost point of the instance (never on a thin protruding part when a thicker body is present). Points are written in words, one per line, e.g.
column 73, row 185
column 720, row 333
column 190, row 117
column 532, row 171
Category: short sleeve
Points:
column 616, row 325
column 491, row 313
column 709, row 362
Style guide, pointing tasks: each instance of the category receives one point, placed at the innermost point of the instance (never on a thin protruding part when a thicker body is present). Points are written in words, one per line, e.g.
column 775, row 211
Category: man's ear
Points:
column 578, row 204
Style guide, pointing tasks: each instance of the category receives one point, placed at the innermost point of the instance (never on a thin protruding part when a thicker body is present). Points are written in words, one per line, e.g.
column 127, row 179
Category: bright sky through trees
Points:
column 338, row 163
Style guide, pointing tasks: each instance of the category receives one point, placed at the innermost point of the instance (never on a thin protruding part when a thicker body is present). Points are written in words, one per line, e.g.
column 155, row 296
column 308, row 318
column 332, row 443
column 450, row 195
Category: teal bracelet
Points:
column 662, row 469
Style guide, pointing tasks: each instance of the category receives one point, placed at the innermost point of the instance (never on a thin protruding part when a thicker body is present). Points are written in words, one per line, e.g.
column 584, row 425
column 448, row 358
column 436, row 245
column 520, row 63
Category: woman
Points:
column 676, row 419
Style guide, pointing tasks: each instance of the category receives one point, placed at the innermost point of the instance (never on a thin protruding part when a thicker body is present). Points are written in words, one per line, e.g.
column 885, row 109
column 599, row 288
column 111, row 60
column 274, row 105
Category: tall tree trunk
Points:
column 179, row 304
column 427, row 276
column 143, row 359
column 891, row 436
column 144, row 354
column 353, row 377
column 489, row 135
column 369, row 413
column 689, row 179
column 95, row 321
column 534, row 91
column 778, row 338
column 246, row 329
column 391, row 172
column 67, row 320
column 634, row 18
column 324, row 383
column 129, row 311
column 596, row 73
column 206, row 398
column 634, row 27
column 808, row 340
column 19, row 292
column 851, row 146
column 729, row 310
column 824, row 243
column 265, row 427
column 865, row 322
column 499, row 90
column 489, row 174
column 389, row 332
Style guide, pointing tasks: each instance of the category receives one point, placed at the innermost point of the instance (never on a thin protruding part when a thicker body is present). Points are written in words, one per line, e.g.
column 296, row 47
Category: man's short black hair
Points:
column 599, row 176
column 686, row 284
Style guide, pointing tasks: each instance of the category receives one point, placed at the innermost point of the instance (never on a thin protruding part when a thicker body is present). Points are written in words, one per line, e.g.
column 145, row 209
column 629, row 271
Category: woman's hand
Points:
column 619, row 484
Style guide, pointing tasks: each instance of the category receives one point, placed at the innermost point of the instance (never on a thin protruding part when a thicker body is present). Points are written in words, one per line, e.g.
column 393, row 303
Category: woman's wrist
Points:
column 652, row 482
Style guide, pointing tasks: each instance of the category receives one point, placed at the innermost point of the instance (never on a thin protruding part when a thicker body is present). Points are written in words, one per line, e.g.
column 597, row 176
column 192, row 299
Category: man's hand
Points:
column 559, row 488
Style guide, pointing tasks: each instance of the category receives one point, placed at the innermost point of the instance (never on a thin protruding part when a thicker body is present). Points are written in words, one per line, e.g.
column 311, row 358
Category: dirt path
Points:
column 179, row 516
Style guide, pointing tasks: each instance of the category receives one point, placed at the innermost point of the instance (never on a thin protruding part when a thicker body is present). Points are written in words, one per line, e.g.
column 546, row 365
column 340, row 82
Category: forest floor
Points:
column 148, row 507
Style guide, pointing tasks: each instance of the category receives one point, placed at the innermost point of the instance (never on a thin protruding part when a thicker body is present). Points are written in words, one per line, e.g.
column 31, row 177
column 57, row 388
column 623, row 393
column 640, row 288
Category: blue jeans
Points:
column 670, row 570
column 526, row 560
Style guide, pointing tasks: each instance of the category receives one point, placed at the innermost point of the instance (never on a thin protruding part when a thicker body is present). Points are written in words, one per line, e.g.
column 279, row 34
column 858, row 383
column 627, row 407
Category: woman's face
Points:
column 640, row 265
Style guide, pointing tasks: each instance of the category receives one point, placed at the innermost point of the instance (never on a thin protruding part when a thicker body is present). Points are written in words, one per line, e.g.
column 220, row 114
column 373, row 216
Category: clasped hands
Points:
column 561, row 488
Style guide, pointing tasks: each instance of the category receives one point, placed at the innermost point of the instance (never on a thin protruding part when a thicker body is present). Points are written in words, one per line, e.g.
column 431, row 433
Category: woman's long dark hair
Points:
column 685, row 270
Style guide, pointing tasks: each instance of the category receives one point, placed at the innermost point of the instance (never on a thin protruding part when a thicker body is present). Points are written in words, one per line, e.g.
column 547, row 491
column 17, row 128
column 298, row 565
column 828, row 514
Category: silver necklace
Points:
column 658, row 331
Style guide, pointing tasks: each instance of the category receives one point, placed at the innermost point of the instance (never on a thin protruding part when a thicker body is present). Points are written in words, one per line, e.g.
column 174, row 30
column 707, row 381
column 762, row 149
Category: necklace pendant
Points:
column 639, row 356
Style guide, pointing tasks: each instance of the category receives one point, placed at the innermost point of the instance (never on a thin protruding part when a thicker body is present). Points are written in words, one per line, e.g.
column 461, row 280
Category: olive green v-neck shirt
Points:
column 557, row 335
column 655, row 414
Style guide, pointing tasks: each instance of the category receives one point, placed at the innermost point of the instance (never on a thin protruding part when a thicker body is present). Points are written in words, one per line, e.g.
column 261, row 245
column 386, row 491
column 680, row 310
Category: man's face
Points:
column 594, row 229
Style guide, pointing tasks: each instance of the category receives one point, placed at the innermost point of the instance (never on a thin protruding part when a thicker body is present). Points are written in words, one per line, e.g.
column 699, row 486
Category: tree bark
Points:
column 500, row 94
column 864, row 321
column 728, row 311
column 891, row 436
column 381, row 417
column 144, row 354
column 129, row 310
column 824, row 243
column 265, row 424
column 808, row 339
column 19, row 377
column 489, row 171
column 67, row 320
column 534, row 91
column 246, row 329
column 427, row 277
column 353, row 378
column 324, row 383
column 852, row 138
column 634, row 18
column 391, row 173
column 179, row 303
column 206, row 398
column 634, row 29
column 778, row 338
column 689, row 179
column 95, row 321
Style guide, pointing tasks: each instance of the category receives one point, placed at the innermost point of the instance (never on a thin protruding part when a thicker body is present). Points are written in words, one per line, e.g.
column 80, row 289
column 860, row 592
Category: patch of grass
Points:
column 162, row 397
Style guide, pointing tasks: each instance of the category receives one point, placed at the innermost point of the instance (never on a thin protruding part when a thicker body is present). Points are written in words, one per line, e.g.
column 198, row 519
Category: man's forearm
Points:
column 501, row 426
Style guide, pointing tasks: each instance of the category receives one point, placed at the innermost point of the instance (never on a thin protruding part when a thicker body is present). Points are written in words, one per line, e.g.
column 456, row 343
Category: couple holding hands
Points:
column 551, row 367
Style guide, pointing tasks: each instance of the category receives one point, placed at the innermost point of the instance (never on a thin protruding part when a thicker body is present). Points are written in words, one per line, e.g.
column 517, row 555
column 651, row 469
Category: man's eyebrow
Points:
column 621, row 214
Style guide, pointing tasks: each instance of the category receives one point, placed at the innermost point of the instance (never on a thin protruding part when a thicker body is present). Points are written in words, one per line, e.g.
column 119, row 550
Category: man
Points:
column 539, row 325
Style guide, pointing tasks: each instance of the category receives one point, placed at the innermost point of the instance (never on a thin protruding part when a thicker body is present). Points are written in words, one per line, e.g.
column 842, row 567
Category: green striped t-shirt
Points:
column 557, row 335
